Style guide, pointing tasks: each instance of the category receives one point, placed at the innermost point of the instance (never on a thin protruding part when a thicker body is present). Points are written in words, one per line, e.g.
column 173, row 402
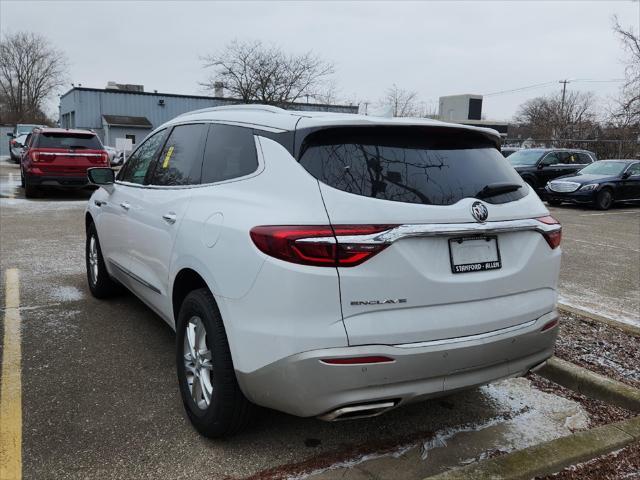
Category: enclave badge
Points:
column 479, row 211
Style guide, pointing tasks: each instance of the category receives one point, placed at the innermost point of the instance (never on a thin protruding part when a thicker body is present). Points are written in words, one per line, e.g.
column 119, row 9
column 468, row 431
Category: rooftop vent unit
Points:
column 127, row 87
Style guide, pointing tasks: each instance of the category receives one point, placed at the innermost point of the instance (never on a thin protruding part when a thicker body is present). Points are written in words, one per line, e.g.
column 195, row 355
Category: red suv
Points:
column 60, row 157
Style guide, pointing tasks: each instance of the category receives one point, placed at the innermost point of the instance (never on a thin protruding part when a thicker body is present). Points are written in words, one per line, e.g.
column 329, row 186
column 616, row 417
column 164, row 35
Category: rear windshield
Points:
column 434, row 166
column 67, row 140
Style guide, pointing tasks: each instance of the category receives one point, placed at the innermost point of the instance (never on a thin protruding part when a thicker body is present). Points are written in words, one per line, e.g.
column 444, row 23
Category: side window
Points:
column 584, row 159
column 138, row 163
column 551, row 159
column 230, row 153
column 634, row 169
column 180, row 161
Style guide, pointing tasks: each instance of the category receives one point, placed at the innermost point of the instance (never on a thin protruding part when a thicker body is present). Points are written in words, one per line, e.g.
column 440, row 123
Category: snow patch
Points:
column 602, row 310
column 66, row 294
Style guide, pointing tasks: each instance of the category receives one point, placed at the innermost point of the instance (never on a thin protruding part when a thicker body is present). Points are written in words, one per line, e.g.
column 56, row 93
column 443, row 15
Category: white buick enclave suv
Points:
column 327, row 265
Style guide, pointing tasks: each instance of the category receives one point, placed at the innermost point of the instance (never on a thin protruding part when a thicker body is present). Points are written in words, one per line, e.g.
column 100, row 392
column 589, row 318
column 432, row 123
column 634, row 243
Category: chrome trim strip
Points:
column 135, row 277
column 59, row 154
column 479, row 336
column 441, row 230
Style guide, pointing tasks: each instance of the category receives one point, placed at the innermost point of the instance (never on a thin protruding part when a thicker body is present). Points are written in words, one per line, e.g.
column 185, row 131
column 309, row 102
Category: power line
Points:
column 546, row 84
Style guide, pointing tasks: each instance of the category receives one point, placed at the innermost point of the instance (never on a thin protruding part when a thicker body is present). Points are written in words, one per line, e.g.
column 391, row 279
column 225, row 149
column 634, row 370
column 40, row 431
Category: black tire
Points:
column 30, row 190
column 604, row 199
column 103, row 286
column 554, row 203
column 531, row 182
column 228, row 411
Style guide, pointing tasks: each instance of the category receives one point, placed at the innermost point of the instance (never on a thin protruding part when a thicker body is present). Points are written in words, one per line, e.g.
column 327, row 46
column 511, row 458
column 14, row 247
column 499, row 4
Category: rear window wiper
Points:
column 496, row 189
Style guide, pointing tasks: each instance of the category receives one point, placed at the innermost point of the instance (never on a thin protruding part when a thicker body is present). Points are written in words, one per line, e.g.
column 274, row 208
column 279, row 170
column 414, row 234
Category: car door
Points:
column 631, row 184
column 572, row 163
column 584, row 159
column 160, row 209
column 114, row 228
column 548, row 168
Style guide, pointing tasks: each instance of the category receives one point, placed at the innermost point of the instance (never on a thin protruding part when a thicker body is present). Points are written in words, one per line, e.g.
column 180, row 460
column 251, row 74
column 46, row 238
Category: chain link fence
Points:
column 603, row 148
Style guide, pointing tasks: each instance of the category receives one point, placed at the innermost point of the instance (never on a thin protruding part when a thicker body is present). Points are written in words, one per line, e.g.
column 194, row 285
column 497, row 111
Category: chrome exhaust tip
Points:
column 358, row 411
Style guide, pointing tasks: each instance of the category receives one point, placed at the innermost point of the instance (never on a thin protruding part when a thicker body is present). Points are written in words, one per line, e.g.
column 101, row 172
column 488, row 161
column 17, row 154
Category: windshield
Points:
column 604, row 168
column 422, row 166
column 67, row 140
column 525, row 157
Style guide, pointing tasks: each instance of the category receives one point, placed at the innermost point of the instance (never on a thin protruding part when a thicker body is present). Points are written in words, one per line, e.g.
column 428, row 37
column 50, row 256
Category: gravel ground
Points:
column 610, row 352
column 600, row 413
column 599, row 348
column 623, row 464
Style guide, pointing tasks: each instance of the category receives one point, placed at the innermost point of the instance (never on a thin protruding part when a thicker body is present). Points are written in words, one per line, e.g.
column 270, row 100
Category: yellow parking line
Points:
column 11, row 388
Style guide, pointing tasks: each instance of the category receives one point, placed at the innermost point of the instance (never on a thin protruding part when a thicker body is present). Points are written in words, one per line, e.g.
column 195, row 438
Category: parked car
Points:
column 601, row 184
column 19, row 130
column 119, row 159
column 16, row 147
column 537, row 166
column 327, row 265
column 60, row 157
column 112, row 152
column 506, row 151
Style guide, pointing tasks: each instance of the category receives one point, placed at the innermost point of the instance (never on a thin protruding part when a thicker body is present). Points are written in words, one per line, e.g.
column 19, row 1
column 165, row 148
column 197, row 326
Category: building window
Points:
column 131, row 137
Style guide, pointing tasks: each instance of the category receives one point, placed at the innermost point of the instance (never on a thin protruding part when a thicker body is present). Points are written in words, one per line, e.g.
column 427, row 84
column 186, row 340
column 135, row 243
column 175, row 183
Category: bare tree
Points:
column 403, row 103
column 628, row 104
column 254, row 72
column 550, row 117
column 30, row 72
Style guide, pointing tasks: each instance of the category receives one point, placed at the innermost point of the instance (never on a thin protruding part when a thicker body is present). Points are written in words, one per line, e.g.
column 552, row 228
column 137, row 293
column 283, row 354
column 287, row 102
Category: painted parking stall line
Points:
column 11, row 387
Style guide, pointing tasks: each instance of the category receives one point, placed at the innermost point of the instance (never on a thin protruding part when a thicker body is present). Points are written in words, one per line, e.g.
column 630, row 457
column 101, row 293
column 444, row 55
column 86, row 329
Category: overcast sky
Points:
column 434, row 48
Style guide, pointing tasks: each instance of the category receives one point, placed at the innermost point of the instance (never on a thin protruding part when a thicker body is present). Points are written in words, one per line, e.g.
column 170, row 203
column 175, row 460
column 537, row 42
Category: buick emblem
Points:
column 479, row 211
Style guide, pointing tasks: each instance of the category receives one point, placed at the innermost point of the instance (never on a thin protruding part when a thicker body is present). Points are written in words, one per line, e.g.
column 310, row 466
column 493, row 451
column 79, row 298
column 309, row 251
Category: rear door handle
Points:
column 125, row 205
column 170, row 218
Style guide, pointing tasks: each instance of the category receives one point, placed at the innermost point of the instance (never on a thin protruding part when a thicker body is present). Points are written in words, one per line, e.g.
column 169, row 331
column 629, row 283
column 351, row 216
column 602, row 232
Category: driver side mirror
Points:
column 541, row 165
column 101, row 176
column 626, row 174
column 10, row 134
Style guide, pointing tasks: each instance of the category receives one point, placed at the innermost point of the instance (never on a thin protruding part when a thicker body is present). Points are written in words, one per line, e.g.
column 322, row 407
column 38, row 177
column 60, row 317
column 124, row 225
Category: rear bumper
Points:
column 305, row 386
column 73, row 181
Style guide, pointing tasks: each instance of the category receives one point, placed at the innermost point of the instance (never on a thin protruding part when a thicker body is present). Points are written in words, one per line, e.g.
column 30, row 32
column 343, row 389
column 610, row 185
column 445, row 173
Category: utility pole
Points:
column 564, row 91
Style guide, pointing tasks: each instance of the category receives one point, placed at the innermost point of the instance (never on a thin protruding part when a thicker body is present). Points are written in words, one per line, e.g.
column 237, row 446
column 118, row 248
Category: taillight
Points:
column 13, row 142
column 104, row 156
column 553, row 237
column 319, row 245
column 549, row 325
column 35, row 156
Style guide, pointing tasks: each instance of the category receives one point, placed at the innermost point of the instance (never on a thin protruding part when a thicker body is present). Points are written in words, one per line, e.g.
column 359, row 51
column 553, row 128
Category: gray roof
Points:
column 126, row 121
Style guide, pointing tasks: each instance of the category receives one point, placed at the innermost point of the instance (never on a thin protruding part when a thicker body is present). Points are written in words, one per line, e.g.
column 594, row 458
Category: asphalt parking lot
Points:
column 99, row 394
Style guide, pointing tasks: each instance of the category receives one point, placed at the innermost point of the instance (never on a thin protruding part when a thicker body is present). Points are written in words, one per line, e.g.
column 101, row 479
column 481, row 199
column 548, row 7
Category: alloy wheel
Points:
column 93, row 259
column 197, row 363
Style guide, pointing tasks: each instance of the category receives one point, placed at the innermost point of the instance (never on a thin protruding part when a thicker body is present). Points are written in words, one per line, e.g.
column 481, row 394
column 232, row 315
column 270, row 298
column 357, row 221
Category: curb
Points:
column 591, row 384
column 594, row 317
column 550, row 457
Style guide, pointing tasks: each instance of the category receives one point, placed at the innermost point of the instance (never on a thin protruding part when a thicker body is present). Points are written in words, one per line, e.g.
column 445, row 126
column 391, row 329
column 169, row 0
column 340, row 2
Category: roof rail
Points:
column 243, row 106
